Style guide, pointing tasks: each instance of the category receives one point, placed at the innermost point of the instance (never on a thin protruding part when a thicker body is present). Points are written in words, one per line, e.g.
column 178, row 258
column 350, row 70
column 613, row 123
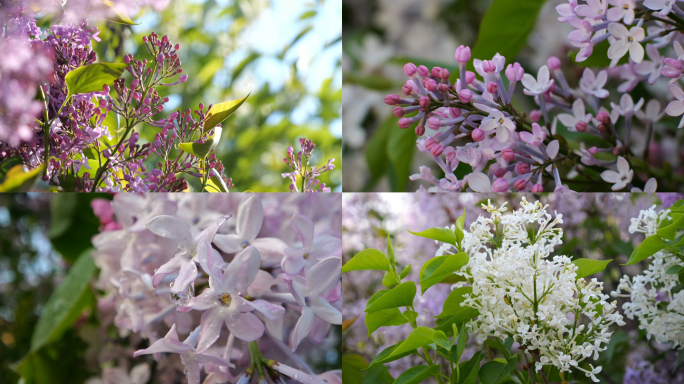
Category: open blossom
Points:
column 676, row 107
column 536, row 138
column 579, row 115
column 622, row 177
column 595, row 9
column 593, row 84
column 664, row 6
column 496, row 121
column 523, row 292
column 622, row 10
column 651, row 68
column 539, row 85
column 627, row 106
column 623, row 41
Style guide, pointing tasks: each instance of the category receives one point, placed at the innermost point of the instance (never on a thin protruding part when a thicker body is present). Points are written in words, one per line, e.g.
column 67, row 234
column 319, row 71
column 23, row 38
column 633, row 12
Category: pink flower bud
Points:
column 425, row 102
column 434, row 123
column 431, row 85
column 554, row 63
column 522, row 168
column 462, row 54
column 183, row 78
column 442, row 87
column 488, row 66
column 491, row 87
column 470, row 77
column 406, row 89
column 398, row 111
column 617, row 150
column 437, row 72
column 500, row 172
column 514, row 72
column 520, row 184
column 437, row 149
column 581, row 126
column 593, row 150
column 410, row 69
column 455, row 112
column 478, row 134
column 135, row 83
column 465, row 95
column 420, row 130
column 423, row 71
column 500, row 185
column 430, row 142
column 404, row 123
column 508, row 154
column 160, row 59
column 537, row 188
column 535, row 115
column 392, row 99
column 603, row 117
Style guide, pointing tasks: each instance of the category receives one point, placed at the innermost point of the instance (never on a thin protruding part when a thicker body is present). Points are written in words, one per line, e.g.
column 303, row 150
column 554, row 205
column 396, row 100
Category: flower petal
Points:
column 246, row 327
column 211, row 324
column 171, row 228
column 270, row 249
column 325, row 311
column 167, row 268
column 250, row 217
column 479, row 182
column 271, row 311
column 261, row 285
column 303, row 328
column 610, row 176
column 323, row 276
column 186, row 276
column 304, row 228
column 229, row 243
column 204, row 301
column 242, row 270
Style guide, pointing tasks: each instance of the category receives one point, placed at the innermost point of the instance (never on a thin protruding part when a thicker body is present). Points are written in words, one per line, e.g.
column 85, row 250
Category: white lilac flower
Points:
column 622, row 10
column 521, row 291
column 622, row 177
column 652, row 113
column 496, row 121
column 579, row 115
column 664, row 6
column 623, row 41
column 593, row 84
column 650, row 187
column 654, row 299
column 653, row 67
column 627, row 106
column 595, row 9
column 539, row 85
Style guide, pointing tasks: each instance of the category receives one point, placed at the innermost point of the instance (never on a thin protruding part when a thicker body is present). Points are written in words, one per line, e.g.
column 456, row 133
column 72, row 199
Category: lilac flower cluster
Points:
column 472, row 120
column 299, row 164
column 268, row 269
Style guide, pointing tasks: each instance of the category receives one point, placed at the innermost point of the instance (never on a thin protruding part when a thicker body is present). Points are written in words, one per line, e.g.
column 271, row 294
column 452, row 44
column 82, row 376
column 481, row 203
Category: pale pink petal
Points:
column 156, row 347
column 193, row 369
column 229, row 243
column 320, row 330
column 261, row 285
column 543, row 76
column 325, row 311
column 610, row 176
column 323, row 276
column 250, row 217
column 527, row 137
column 211, row 261
column 207, row 358
column 651, row 186
column 211, row 324
column 479, row 182
column 327, row 244
column 303, row 328
column 622, row 165
column 601, row 79
column 636, row 52
column 242, row 270
column 271, row 311
column 675, row 108
column 529, row 81
column 246, row 327
column 171, row 228
column 140, row 374
column 578, row 109
column 207, row 299
column 186, row 276
column 270, row 249
column 552, row 149
column 676, row 91
column 568, row 120
column 304, row 228
column 167, row 268
column 489, row 124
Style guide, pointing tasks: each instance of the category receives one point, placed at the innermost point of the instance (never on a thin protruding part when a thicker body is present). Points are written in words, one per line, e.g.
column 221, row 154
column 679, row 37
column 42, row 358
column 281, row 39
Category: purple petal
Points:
column 242, row 270
column 187, row 275
column 246, row 327
column 303, row 328
column 250, row 217
column 211, row 324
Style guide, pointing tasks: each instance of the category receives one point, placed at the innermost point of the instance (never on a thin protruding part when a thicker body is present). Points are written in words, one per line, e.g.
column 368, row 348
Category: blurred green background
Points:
column 287, row 53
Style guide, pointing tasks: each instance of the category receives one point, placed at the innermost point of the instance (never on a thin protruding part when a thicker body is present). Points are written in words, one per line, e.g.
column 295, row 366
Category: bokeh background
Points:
column 287, row 53
column 380, row 36
column 595, row 226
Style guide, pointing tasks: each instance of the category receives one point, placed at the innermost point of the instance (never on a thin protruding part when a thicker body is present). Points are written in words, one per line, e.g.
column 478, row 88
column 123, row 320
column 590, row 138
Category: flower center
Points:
column 626, row 6
column 245, row 244
column 225, row 299
column 305, row 256
column 501, row 120
column 630, row 39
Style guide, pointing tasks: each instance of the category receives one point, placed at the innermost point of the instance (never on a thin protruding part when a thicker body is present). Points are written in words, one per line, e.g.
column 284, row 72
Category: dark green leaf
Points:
column 670, row 232
column 469, row 369
column 400, row 296
column 400, row 149
column 417, row 374
column 441, row 340
column 494, row 371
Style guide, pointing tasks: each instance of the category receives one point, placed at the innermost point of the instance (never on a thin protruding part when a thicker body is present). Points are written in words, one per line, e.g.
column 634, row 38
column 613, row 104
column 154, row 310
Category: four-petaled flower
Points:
column 622, row 177
column 623, row 9
column 313, row 248
column 627, row 106
column 676, row 107
column 623, row 41
column 593, row 84
column 496, row 121
column 539, row 85
column 579, row 115
column 536, row 138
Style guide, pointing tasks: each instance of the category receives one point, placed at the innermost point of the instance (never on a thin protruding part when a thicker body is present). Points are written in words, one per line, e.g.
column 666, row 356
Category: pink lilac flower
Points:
column 622, row 177
column 579, row 116
column 593, row 84
column 500, row 124
column 313, row 247
column 623, row 41
column 623, row 9
column 536, row 138
column 653, row 67
column 676, row 107
column 664, row 6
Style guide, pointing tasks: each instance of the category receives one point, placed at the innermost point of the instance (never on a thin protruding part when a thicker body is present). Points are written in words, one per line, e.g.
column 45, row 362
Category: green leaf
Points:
column 405, row 271
column 216, row 184
column 17, row 179
column 452, row 304
column 389, row 280
column 440, row 267
column 400, row 149
column 445, row 235
column 459, row 230
column 390, row 253
column 418, row 338
column 670, row 232
column 201, row 150
column 673, row 270
column 352, row 369
column 680, row 358
column 646, row 249
column 219, row 112
column 367, row 259
column 468, row 370
column 119, row 17
column 505, row 28
column 386, row 318
column 417, row 374
column 384, row 356
column 400, row 296
column 91, row 78
column 457, row 349
column 461, row 316
column 66, row 304
column 442, row 340
column 493, row 372
column 376, row 153
column 587, row 267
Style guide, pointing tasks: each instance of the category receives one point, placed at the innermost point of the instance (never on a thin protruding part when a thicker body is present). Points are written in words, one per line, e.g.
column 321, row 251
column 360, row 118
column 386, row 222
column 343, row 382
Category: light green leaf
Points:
column 119, row 17
column 219, row 112
column 587, row 267
column 390, row 253
column 406, row 271
column 457, row 349
column 418, row 338
column 444, row 235
column 387, row 318
column 505, row 28
column 452, row 304
column 459, row 230
column 384, row 356
column 417, row 374
column 460, row 316
column 66, row 303
column 493, row 372
column 17, row 179
column 201, row 150
column 91, row 78
column 367, row 259
column 400, row 296
column 646, row 249
column 216, row 184
column 439, row 268
column 442, row 340
column 670, row 232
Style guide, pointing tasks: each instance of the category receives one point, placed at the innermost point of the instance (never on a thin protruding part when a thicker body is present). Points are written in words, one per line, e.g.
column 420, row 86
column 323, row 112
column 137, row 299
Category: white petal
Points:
column 242, row 270
column 171, row 228
column 479, row 182
column 610, row 176
column 529, row 82
column 622, row 165
column 552, row 149
column 323, row 276
column 250, row 217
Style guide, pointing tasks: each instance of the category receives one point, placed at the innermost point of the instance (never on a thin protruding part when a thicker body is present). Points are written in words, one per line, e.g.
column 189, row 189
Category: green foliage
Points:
column 354, row 371
column 390, row 151
column 444, row 235
column 438, row 268
column 400, row 296
column 587, row 267
column 468, row 370
column 417, row 374
column 505, row 28
column 201, row 150
column 494, row 372
column 646, row 249
column 388, row 317
column 73, row 223
column 367, row 259
column 91, row 78
column 17, row 179
column 221, row 111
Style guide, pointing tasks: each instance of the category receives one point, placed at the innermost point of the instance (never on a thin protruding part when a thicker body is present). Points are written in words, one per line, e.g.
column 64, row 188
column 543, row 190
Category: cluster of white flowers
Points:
column 654, row 300
column 523, row 293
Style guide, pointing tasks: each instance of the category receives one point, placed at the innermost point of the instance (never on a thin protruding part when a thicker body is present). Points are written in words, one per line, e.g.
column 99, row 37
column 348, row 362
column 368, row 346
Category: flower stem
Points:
column 257, row 358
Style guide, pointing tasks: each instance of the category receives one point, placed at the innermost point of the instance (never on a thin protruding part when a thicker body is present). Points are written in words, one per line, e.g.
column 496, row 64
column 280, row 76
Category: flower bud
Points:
column 430, row 85
column 183, row 78
column 410, row 69
column 488, row 66
column 500, row 185
column 398, row 111
column 520, row 184
column 420, row 130
column 437, row 72
column 425, row 102
column 430, row 142
column 602, row 128
column 554, row 63
column 508, row 155
column 470, row 77
column 423, row 71
column 535, row 115
column 392, row 99
column 581, row 126
column 593, row 150
column 465, row 95
column 455, row 112
column 406, row 89
column 434, row 123
column 537, row 188
column 492, row 87
column 437, row 149
column 514, row 72
column 478, row 134
column 603, row 117
column 522, row 168
column 443, row 87
column 500, row 172
column 462, row 54
column 404, row 123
